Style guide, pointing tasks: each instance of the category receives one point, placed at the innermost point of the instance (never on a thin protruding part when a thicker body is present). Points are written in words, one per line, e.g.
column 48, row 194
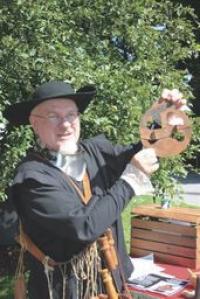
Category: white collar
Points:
column 73, row 165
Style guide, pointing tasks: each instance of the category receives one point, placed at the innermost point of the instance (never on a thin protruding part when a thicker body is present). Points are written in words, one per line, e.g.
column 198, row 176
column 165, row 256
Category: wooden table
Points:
column 172, row 234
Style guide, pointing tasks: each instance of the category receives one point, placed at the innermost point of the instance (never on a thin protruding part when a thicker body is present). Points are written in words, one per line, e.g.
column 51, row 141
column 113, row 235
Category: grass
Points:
column 126, row 216
column 6, row 287
column 6, row 282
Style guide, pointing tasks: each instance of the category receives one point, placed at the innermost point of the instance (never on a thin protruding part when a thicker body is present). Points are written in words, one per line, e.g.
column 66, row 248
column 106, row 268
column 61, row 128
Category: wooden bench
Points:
column 172, row 234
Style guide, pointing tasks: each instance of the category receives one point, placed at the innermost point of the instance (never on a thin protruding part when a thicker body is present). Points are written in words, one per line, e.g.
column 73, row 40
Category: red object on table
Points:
column 178, row 272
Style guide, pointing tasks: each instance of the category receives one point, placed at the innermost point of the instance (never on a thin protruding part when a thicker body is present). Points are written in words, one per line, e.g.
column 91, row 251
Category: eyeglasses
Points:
column 57, row 120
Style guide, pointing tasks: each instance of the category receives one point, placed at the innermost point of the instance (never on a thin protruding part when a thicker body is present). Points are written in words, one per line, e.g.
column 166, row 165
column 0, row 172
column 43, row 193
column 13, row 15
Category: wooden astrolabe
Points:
column 165, row 129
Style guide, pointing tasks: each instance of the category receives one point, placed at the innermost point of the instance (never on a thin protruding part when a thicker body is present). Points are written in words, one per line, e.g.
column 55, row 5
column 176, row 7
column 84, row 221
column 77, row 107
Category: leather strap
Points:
column 86, row 188
column 27, row 244
column 86, row 194
column 24, row 240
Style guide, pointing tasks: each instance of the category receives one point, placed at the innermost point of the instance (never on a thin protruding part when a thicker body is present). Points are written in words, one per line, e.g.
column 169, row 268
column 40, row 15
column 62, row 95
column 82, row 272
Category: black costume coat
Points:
column 55, row 218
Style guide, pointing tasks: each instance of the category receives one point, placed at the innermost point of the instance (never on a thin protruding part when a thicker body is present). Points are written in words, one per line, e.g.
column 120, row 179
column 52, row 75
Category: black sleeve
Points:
column 116, row 156
column 61, row 212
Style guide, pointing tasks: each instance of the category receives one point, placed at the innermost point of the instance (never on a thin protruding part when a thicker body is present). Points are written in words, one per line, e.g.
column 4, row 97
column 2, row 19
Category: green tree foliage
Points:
column 131, row 50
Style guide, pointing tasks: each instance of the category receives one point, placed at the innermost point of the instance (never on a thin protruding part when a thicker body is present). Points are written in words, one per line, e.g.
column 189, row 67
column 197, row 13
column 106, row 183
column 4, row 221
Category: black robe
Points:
column 58, row 222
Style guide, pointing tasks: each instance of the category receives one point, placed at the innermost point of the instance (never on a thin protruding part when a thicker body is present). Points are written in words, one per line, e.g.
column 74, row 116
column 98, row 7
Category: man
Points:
column 50, row 186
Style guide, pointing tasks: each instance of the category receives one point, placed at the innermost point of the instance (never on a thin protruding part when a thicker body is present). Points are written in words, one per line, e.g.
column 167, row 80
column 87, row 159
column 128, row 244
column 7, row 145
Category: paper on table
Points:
column 144, row 266
column 148, row 276
column 156, row 283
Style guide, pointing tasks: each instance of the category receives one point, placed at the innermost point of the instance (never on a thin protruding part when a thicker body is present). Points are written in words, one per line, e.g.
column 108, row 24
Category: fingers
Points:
column 146, row 160
column 174, row 97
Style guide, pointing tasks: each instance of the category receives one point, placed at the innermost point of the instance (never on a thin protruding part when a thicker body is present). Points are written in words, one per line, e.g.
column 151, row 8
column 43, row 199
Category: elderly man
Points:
column 68, row 192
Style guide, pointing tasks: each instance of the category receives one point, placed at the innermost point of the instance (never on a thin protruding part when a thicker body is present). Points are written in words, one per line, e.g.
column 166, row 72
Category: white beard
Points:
column 69, row 148
column 69, row 159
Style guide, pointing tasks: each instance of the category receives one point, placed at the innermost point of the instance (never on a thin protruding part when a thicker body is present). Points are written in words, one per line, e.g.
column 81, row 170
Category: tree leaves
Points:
column 73, row 41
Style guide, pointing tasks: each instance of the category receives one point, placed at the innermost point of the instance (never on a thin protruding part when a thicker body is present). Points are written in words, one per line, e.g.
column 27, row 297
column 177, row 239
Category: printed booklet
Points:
column 158, row 283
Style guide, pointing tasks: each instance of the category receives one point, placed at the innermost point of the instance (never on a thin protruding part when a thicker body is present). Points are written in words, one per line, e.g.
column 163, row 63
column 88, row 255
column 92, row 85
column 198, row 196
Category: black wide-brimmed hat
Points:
column 18, row 113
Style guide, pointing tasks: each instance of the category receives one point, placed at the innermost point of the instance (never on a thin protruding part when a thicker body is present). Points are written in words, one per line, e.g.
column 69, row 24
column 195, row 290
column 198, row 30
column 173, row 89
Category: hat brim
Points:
column 18, row 113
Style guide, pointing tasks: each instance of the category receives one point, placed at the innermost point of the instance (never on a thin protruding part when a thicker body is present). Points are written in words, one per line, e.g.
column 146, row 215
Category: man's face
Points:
column 57, row 124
